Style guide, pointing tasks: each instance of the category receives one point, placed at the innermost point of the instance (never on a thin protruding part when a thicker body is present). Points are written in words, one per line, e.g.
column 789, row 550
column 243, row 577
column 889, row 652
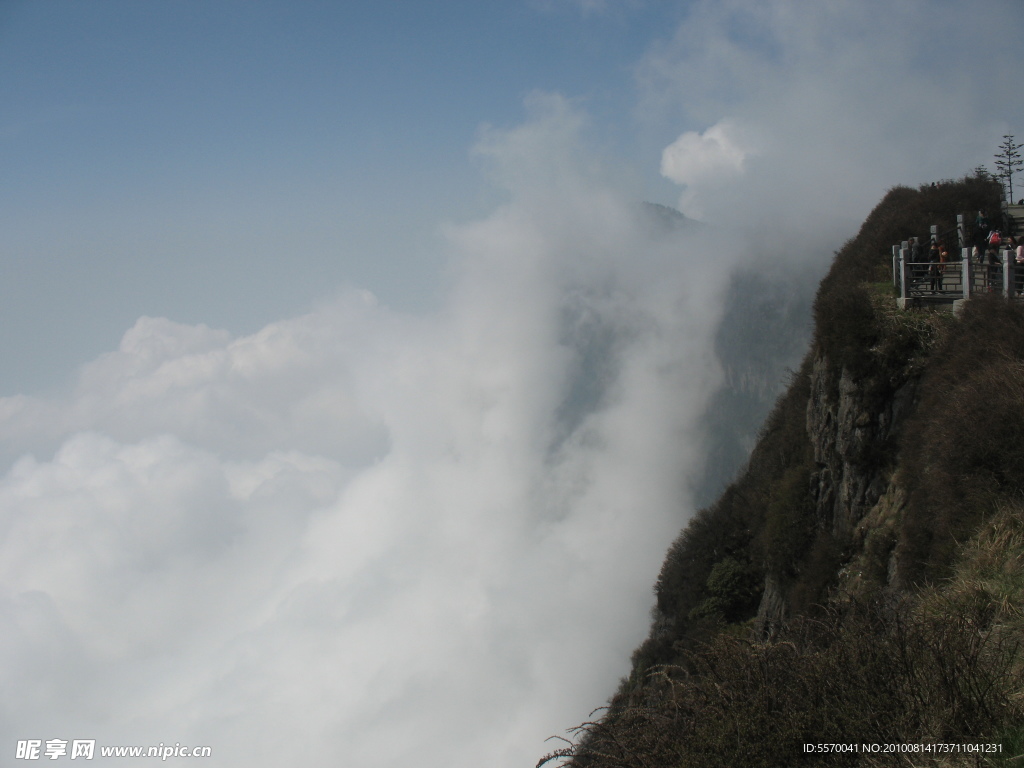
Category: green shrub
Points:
column 733, row 589
column 789, row 521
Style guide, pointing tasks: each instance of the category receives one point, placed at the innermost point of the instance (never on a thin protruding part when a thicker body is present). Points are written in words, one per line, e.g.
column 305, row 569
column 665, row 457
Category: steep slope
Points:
column 862, row 580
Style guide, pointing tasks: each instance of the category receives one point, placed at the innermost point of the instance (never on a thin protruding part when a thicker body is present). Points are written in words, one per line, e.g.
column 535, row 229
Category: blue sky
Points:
column 233, row 162
column 349, row 399
column 229, row 162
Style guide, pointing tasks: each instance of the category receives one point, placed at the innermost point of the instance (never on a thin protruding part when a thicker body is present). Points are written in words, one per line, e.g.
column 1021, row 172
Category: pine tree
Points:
column 1008, row 160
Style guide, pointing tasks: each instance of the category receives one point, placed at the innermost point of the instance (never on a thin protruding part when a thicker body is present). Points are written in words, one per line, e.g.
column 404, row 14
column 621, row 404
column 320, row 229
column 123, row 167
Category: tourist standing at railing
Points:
column 993, row 269
column 934, row 275
column 943, row 258
column 980, row 236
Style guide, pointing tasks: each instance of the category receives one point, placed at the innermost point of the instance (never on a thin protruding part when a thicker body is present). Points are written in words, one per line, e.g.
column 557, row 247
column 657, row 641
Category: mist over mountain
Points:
column 351, row 394
column 761, row 338
column 854, row 594
column 763, row 335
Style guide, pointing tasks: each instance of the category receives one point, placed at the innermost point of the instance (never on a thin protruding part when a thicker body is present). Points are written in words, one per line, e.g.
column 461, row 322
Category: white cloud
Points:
column 836, row 103
column 358, row 537
column 714, row 157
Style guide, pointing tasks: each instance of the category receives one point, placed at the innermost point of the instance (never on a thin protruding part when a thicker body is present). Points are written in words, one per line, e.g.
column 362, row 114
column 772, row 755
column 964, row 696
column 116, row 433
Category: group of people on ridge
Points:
column 987, row 241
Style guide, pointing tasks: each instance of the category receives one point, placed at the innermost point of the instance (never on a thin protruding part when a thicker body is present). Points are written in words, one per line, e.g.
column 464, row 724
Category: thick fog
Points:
column 363, row 538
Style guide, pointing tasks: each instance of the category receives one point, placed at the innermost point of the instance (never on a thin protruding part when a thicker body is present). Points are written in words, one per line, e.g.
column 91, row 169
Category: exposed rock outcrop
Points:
column 852, row 431
column 851, row 436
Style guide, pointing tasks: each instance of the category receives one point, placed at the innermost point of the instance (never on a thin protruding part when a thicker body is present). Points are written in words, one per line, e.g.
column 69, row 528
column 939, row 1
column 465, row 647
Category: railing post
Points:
column 895, row 266
column 966, row 278
column 1004, row 253
column 934, row 234
column 961, row 231
column 904, row 276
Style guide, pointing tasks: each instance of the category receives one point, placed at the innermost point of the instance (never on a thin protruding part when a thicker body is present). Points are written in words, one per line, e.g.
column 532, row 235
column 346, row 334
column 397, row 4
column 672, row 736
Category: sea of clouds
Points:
column 365, row 538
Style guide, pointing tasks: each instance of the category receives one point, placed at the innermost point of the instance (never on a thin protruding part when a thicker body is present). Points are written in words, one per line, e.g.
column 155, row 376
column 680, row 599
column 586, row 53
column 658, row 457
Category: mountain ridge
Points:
column 862, row 580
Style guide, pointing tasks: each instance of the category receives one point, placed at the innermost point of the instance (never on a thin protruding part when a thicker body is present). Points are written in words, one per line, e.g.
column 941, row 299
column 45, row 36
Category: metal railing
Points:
column 925, row 278
column 919, row 274
column 957, row 279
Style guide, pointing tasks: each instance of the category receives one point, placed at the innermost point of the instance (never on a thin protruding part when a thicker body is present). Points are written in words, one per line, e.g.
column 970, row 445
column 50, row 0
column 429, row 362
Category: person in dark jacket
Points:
column 934, row 276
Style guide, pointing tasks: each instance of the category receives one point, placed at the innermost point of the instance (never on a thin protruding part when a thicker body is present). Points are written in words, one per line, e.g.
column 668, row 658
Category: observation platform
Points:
column 922, row 282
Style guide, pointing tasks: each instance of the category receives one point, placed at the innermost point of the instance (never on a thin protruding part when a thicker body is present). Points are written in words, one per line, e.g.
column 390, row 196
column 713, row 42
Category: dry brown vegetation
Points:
column 944, row 671
column 964, row 447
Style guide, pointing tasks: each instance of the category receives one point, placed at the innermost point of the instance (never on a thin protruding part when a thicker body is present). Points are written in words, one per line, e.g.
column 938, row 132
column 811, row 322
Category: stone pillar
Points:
column 904, row 300
column 1007, row 259
column 961, row 231
column 966, row 275
column 895, row 266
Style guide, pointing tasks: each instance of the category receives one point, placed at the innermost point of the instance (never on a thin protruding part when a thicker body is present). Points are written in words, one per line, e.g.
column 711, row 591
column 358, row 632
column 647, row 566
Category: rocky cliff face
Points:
column 845, row 432
column 853, row 435
column 852, row 432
